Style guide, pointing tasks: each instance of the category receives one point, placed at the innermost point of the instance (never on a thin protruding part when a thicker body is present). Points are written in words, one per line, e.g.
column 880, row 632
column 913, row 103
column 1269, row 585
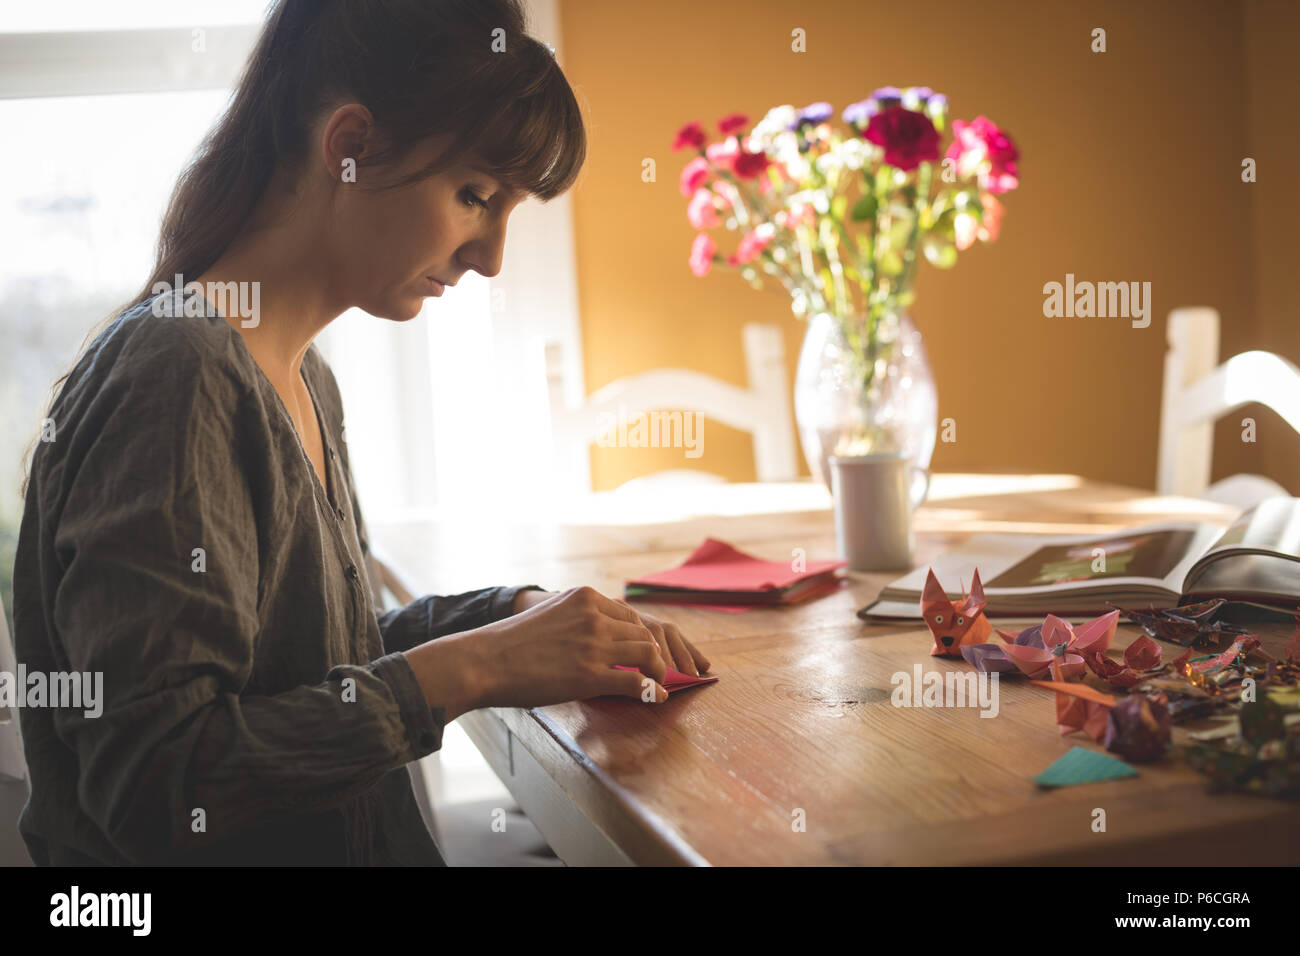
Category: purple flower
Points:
column 857, row 114
column 887, row 96
column 916, row 96
column 814, row 114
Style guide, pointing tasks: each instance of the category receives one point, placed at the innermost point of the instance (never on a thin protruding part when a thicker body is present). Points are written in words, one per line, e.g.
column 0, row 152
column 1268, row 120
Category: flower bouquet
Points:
column 836, row 215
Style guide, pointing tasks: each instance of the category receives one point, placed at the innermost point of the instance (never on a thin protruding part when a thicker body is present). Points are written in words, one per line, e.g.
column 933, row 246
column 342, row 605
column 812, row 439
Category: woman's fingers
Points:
column 633, row 684
column 643, row 655
column 685, row 661
column 661, row 638
column 701, row 661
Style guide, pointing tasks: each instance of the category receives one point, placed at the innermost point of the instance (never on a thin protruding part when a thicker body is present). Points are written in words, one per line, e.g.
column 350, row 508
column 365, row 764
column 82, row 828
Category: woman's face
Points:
column 389, row 246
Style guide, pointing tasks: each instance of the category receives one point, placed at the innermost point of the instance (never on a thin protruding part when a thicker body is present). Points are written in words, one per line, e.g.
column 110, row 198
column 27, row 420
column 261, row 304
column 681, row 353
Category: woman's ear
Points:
column 349, row 132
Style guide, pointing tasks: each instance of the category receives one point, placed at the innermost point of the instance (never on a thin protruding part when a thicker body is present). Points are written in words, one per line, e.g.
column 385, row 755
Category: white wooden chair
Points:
column 15, row 786
column 762, row 409
column 1198, row 391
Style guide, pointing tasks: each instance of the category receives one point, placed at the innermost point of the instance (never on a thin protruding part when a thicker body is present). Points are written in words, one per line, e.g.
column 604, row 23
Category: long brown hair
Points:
column 422, row 67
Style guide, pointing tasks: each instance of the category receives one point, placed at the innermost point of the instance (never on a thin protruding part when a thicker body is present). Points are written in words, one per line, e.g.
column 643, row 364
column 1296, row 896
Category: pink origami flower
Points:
column 1034, row 649
column 703, row 210
column 702, row 250
column 908, row 138
column 693, row 175
column 692, row 134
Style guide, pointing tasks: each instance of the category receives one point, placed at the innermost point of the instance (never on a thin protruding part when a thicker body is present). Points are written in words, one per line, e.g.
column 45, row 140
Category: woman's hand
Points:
column 564, row 648
column 676, row 650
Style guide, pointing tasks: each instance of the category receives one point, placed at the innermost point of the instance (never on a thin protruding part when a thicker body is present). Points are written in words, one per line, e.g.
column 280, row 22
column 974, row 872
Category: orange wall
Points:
column 1272, row 29
column 1130, row 171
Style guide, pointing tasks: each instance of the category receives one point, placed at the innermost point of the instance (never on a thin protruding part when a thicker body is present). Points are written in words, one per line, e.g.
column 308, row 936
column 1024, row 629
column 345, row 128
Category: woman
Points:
column 192, row 532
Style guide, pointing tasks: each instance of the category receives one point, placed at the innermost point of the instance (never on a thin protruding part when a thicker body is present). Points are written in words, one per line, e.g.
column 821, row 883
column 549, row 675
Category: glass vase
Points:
column 874, row 395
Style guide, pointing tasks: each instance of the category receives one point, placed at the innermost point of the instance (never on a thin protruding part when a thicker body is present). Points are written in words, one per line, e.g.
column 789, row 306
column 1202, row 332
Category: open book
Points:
column 1256, row 561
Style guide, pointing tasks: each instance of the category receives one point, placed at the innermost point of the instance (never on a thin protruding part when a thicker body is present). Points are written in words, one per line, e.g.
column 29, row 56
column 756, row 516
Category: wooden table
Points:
column 800, row 726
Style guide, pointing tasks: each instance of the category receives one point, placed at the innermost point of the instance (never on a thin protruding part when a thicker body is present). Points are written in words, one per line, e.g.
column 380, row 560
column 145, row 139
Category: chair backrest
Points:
column 1198, row 391
column 762, row 409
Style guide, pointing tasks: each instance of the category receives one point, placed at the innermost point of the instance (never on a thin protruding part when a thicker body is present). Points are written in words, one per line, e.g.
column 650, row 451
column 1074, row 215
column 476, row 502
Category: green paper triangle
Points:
column 1083, row 766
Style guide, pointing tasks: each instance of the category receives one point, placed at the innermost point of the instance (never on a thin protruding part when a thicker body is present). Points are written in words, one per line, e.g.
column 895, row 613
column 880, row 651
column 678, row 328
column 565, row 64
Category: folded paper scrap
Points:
column 675, row 679
column 718, row 575
column 1083, row 766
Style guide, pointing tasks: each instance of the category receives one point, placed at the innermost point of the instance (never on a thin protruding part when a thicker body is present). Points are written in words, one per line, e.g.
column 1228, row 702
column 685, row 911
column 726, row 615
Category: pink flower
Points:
column 797, row 215
column 751, row 244
column 723, row 155
column 727, row 191
column 703, row 210
column 981, row 148
column 908, row 138
column 730, row 124
column 692, row 134
column 702, row 250
column 693, row 175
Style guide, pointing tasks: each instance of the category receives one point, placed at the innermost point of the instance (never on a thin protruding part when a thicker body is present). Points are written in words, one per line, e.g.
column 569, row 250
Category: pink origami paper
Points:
column 1078, row 706
column 954, row 625
column 717, row 566
column 1034, row 650
column 675, row 679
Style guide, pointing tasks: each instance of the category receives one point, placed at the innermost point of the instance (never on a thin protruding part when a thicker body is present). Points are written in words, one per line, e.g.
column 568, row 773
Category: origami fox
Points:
column 954, row 625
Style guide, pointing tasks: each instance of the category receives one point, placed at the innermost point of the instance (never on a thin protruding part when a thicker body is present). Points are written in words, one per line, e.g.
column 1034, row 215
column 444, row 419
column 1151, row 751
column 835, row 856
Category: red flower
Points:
column 908, row 138
column 692, row 134
column 749, row 165
column 729, row 124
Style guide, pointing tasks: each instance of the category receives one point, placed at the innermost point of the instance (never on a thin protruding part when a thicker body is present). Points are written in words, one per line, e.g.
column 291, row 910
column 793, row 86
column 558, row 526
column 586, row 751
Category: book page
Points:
column 1152, row 556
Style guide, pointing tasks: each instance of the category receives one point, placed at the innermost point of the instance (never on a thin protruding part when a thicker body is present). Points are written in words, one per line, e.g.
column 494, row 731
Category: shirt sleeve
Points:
column 436, row 615
column 157, row 538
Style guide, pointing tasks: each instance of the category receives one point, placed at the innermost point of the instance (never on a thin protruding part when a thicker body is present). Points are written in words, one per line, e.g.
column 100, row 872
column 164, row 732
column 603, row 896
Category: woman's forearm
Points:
column 448, row 673
column 526, row 599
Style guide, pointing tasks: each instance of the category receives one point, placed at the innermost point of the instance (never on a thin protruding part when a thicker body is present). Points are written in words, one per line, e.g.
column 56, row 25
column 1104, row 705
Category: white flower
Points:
column 778, row 120
column 829, row 162
column 855, row 152
column 797, row 167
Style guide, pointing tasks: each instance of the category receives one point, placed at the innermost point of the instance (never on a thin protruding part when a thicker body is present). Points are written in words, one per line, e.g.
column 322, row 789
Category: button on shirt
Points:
column 256, row 708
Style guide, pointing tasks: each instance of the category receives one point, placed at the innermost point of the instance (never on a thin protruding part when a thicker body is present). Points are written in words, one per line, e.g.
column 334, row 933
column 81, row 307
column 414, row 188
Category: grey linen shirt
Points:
column 256, row 708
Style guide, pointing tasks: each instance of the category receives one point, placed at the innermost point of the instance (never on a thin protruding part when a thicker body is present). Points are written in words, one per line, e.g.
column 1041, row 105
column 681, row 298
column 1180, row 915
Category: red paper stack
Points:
column 718, row 576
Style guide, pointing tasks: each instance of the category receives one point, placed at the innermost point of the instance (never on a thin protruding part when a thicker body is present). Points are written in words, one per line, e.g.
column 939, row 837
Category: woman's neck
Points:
column 279, row 266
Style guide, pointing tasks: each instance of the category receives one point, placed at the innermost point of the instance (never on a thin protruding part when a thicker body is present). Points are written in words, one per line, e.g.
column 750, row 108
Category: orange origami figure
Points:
column 1078, row 706
column 954, row 625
